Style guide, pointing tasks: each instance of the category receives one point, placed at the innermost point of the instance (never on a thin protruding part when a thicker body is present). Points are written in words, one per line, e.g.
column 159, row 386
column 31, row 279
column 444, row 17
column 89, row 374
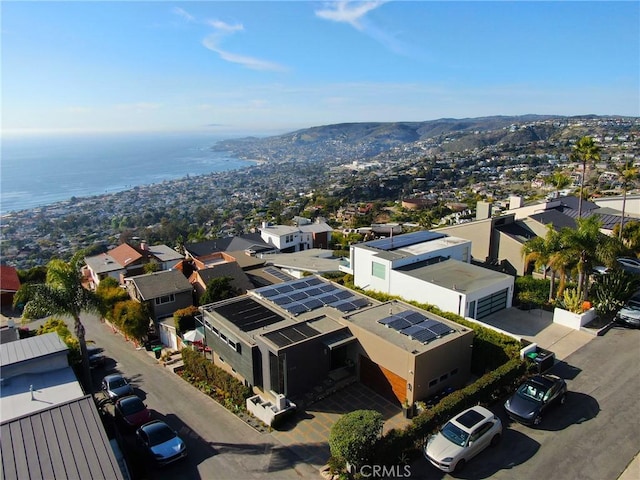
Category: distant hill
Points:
column 350, row 141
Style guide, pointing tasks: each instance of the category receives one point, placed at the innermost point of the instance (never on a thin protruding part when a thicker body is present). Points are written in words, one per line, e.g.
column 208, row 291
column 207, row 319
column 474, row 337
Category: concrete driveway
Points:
column 537, row 326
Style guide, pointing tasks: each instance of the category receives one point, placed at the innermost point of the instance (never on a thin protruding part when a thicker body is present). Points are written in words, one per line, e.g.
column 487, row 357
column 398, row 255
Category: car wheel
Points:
column 537, row 420
column 563, row 399
column 495, row 440
column 460, row 465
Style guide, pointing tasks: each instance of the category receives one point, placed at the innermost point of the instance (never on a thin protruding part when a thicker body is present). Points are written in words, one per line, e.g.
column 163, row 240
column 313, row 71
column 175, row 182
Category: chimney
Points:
column 144, row 246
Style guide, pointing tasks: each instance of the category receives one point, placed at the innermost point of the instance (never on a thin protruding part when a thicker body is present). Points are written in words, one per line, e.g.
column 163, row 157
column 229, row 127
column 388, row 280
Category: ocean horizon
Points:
column 39, row 170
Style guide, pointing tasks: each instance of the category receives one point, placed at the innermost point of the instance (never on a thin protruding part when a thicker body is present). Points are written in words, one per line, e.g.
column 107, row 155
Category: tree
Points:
column 609, row 292
column 219, row 288
column 354, row 435
column 585, row 151
column 110, row 293
column 60, row 327
column 184, row 318
column 628, row 174
column 132, row 318
column 559, row 180
column 581, row 243
column 61, row 294
column 544, row 253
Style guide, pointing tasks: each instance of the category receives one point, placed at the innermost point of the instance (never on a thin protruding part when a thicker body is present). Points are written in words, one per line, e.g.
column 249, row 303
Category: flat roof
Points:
column 31, row 392
column 64, row 441
column 245, row 313
column 103, row 263
column 454, row 275
column 30, row 348
column 411, row 244
column 314, row 260
column 369, row 319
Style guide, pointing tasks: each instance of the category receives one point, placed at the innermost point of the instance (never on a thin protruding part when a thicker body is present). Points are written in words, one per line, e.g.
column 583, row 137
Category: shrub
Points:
column 185, row 318
column 354, row 435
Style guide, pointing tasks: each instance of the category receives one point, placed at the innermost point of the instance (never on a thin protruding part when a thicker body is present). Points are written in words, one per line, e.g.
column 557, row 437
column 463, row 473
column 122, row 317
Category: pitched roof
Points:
column 64, row 441
column 230, row 269
column 165, row 253
column 157, row 284
column 125, row 254
column 9, row 281
column 249, row 241
column 29, row 348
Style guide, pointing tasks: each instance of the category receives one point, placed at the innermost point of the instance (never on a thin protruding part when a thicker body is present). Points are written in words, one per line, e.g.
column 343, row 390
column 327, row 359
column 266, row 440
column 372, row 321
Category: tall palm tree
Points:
column 585, row 151
column 61, row 294
column 543, row 252
column 559, row 180
column 582, row 243
column 628, row 174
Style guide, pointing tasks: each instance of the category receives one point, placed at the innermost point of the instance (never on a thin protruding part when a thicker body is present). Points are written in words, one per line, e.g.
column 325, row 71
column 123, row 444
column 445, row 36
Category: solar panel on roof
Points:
column 413, row 329
column 299, row 285
column 428, row 323
column 284, row 288
column 313, row 292
column 294, row 333
column 440, row 329
column 268, row 292
column 282, row 300
column 399, row 324
column 327, row 288
column 248, row 314
column 424, row 336
column 407, row 239
column 415, row 317
column 312, row 303
column 328, row 299
column 360, row 302
column 343, row 294
column 344, row 306
column 298, row 295
column 295, row 308
column 313, row 281
column 387, row 320
column 278, row 273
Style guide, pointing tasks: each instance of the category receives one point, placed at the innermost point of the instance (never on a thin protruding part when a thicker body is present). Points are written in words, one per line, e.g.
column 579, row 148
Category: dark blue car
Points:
column 528, row 404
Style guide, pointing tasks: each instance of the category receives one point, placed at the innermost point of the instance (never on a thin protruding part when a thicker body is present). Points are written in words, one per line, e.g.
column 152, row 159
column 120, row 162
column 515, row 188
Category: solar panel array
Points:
column 308, row 294
column 416, row 326
column 247, row 314
column 391, row 243
column 292, row 334
column 276, row 272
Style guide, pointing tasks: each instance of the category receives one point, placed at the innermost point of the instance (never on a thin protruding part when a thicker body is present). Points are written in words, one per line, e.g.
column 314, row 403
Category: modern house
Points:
column 289, row 239
column 127, row 260
column 314, row 260
column 290, row 337
column 48, row 427
column 164, row 292
column 431, row 267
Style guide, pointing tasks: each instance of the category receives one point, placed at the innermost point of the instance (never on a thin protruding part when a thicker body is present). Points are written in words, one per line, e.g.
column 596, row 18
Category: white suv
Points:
column 462, row 438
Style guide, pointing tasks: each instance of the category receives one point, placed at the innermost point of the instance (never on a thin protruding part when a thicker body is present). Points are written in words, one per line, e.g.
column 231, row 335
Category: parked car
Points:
column 131, row 411
column 629, row 314
column 629, row 264
column 462, row 438
column 96, row 357
column 161, row 442
column 116, row 386
column 529, row 402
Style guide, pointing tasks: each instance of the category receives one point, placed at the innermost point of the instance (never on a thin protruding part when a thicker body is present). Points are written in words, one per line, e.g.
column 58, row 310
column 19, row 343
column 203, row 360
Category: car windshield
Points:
column 131, row 406
column 117, row 383
column 531, row 391
column 455, row 434
column 160, row 434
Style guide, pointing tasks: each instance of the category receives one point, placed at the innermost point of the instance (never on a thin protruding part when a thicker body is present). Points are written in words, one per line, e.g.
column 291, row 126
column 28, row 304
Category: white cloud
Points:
column 349, row 12
column 211, row 42
column 225, row 27
column 184, row 14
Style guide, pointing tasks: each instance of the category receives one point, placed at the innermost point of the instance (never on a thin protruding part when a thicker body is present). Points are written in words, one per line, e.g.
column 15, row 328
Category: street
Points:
column 593, row 436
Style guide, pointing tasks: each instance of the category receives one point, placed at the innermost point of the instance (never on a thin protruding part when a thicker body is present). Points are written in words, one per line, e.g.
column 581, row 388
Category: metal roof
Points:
column 31, row 348
column 63, row 442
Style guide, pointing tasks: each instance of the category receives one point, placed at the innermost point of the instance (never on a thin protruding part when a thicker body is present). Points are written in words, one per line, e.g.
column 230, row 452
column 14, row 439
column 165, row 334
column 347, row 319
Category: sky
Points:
column 265, row 67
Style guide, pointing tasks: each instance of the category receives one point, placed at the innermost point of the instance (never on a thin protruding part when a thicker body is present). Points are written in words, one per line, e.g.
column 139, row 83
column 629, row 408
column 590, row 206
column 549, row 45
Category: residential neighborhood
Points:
column 249, row 346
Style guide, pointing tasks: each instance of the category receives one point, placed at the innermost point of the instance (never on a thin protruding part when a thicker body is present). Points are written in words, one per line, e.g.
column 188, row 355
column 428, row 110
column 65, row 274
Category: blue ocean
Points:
column 40, row 170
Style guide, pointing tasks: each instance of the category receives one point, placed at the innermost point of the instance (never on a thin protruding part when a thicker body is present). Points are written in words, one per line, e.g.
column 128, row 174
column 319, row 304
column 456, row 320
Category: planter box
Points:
column 573, row 320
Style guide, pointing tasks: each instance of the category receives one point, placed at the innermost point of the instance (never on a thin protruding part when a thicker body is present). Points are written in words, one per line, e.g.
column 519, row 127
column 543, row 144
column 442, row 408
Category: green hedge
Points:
column 227, row 389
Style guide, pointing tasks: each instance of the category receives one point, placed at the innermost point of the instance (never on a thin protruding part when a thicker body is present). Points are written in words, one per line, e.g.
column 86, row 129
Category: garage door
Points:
column 382, row 381
column 492, row 303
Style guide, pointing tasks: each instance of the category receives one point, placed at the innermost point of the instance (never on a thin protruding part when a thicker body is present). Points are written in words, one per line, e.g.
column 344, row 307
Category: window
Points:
column 444, row 377
column 378, row 270
column 215, row 330
column 165, row 299
column 223, row 337
column 454, row 372
column 231, row 343
column 433, row 382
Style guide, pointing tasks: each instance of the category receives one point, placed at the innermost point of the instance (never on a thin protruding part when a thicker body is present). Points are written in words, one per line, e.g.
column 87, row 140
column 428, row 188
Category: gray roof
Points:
column 315, row 228
column 239, row 279
column 249, row 241
column 165, row 253
column 103, row 263
column 63, row 442
column 157, row 284
column 30, row 348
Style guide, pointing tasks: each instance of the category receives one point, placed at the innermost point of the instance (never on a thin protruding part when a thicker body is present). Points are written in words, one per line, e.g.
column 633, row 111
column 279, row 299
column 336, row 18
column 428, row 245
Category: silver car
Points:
column 160, row 442
column 462, row 438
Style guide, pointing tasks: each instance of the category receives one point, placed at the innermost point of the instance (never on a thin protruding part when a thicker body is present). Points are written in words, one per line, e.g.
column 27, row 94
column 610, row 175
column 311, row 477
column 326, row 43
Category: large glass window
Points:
column 165, row 299
column 378, row 270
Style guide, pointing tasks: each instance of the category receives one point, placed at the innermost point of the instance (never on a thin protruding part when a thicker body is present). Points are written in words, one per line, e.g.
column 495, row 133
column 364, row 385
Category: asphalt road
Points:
column 219, row 445
column 594, row 436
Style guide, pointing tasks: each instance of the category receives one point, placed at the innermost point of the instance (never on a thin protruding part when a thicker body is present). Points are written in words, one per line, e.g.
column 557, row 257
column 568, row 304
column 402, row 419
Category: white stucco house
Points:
column 430, row 267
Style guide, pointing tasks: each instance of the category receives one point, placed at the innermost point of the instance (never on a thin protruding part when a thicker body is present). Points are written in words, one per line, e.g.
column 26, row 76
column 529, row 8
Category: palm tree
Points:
column 581, row 243
column 543, row 252
column 559, row 180
column 61, row 294
column 628, row 173
column 585, row 151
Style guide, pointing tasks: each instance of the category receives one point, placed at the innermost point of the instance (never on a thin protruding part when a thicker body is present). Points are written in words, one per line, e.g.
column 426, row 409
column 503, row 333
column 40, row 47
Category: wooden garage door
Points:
column 382, row 381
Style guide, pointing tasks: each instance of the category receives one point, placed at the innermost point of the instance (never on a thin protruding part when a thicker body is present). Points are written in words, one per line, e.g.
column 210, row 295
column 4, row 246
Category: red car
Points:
column 132, row 411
